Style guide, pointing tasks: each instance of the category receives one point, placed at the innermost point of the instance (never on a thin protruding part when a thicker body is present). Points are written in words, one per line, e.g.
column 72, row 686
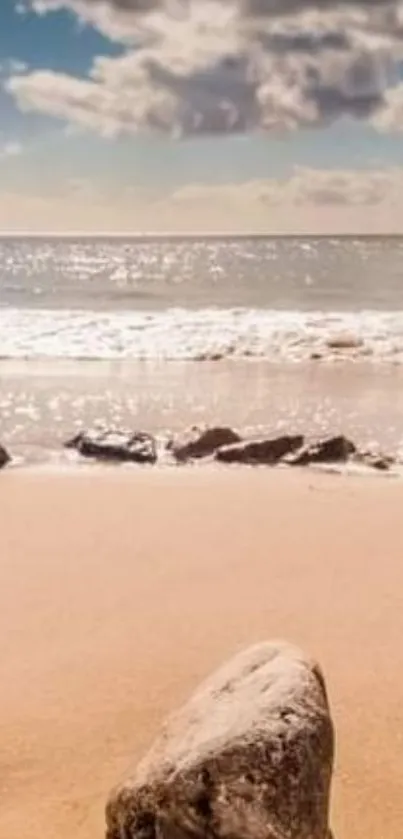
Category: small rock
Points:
column 250, row 756
column 198, row 443
column 212, row 356
column 4, row 457
column 344, row 341
column 74, row 442
column 382, row 464
column 375, row 460
column 331, row 450
column 119, row 446
column 265, row 452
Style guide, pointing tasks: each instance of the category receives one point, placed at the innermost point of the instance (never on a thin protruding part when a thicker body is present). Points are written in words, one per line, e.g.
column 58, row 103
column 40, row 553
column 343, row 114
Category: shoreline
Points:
column 119, row 594
column 96, row 468
column 42, row 405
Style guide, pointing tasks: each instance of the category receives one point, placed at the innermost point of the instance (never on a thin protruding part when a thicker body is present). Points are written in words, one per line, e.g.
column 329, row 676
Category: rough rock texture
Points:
column 115, row 445
column 248, row 757
column 198, row 443
column 331, row 450
column 268, row 452
column 4, row 457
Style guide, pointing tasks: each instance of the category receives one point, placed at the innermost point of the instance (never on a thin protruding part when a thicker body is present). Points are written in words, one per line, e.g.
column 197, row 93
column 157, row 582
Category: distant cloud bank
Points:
column 318, row 201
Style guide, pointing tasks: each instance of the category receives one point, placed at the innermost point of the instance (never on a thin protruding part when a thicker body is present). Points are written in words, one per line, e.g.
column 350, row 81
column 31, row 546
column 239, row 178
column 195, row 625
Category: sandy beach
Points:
column 120, row 590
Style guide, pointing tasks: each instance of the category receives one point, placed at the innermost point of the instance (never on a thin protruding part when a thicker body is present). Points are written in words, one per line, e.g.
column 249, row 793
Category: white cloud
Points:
column 310, row 201
column 17, row 66
column 13, row 148
column 12, row 66
column 306, row 188
column 194, row 66
column 390, row 116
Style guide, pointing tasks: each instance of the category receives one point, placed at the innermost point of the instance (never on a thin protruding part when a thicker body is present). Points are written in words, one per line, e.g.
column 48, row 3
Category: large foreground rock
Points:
column 249, row 757
column 117, row 446
column 198, row 443
column 265, row 452
column 4, row 457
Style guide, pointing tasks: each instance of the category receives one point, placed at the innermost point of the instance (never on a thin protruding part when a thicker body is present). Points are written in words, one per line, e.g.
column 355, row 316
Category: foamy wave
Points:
column 201, row 335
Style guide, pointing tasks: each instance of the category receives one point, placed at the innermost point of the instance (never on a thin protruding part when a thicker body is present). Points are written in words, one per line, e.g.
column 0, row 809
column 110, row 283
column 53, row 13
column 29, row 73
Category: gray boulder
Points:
column 250, row 756
column 198, row 443
column 4, row 457
column 265, row 452
column 119, row 446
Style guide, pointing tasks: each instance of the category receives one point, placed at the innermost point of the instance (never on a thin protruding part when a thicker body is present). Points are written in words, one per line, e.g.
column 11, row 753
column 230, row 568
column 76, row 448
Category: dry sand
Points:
column 120, row 591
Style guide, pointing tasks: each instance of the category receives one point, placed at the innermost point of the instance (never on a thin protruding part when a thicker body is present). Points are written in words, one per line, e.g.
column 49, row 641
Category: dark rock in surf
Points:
column 74, row 442
column 199, row 443
column 118, row 446
column 213, row 356
column 331, row 450
column 250, row 756
column 344, row 341
column 4, row 457
column 375, row 460
column 260, row 452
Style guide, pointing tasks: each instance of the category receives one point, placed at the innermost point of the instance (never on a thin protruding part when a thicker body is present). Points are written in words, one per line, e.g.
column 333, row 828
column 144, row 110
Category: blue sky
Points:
column 66, row 138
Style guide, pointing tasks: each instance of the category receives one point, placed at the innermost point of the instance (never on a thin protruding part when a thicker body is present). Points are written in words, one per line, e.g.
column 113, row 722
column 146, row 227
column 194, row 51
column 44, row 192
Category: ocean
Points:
column 265, row 334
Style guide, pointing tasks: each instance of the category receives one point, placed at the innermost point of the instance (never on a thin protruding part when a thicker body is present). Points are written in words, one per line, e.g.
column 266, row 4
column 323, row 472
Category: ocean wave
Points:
column 206, row 334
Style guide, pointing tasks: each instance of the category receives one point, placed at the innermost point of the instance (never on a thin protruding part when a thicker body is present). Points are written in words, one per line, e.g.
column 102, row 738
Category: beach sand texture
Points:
column 120, row 591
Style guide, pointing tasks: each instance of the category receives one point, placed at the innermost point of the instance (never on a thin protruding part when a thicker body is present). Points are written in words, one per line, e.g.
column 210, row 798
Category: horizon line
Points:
column 83, row 234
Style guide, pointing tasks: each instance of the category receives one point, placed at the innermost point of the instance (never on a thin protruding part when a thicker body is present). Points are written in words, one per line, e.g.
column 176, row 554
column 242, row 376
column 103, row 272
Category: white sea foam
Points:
column 185, row 334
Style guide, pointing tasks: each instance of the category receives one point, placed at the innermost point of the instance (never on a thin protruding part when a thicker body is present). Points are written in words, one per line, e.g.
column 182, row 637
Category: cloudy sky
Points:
column 213, row 115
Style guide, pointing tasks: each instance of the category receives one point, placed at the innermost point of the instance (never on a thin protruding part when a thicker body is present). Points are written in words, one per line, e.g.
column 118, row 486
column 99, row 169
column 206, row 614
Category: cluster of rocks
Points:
column 250, row 756
column 221, row 444
column 224, row 445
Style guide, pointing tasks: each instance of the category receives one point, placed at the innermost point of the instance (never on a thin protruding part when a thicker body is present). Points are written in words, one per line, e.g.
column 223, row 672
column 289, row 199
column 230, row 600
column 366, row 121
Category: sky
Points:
column 251, row 116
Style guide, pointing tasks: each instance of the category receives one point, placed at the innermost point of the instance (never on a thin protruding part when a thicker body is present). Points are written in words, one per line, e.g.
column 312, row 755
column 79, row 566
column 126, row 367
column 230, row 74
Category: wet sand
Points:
column 119, row 591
